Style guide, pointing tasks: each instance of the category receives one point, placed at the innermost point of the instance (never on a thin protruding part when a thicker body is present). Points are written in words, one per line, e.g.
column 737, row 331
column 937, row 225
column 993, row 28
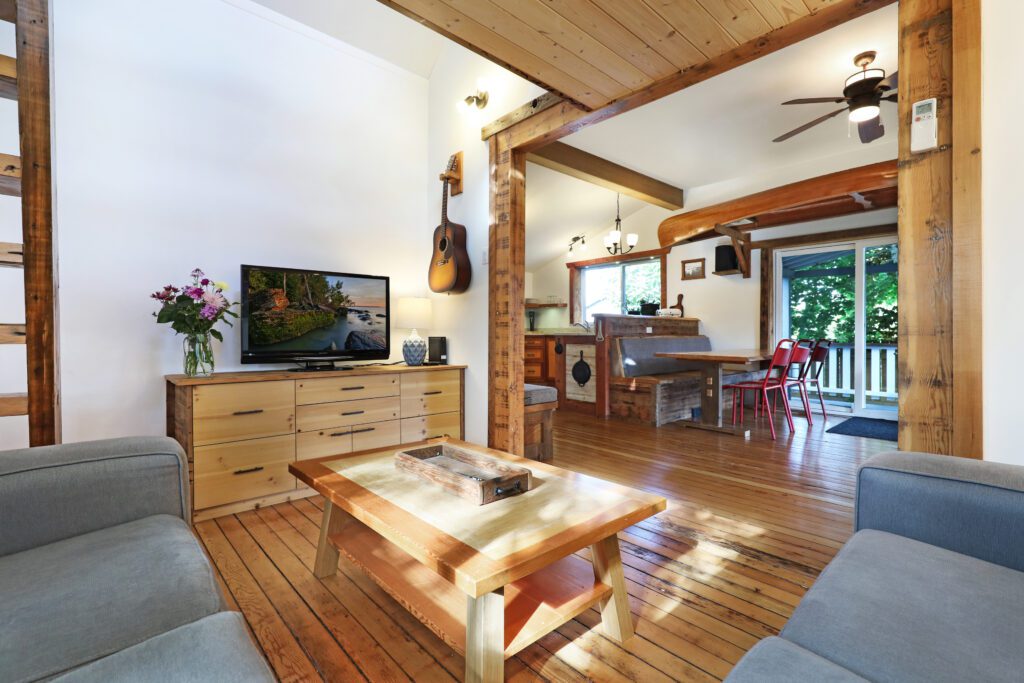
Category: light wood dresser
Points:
column 241, row 430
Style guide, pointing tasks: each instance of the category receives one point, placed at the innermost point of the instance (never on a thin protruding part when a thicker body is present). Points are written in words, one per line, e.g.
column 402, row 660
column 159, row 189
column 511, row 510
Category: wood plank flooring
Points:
column 749, row 526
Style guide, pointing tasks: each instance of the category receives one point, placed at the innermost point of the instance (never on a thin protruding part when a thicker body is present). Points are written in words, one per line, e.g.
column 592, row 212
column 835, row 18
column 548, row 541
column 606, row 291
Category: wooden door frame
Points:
column 513, row 136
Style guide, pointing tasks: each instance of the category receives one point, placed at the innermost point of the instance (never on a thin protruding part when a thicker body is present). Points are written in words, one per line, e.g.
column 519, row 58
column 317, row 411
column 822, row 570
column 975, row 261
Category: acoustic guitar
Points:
column 450, row 270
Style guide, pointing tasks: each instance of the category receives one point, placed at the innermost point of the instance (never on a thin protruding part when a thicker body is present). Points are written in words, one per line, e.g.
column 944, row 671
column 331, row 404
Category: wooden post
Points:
column 925, row 233
column 616, row 620
column 506, row 275
column 485, row 638
column 40, row 259
column 334, row 520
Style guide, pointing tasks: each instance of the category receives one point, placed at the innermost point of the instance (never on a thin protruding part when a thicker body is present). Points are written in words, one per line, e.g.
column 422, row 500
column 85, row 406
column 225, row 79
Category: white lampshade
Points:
column 865, row 113
column 632, row 238
column 615, row 236
column 413, row 313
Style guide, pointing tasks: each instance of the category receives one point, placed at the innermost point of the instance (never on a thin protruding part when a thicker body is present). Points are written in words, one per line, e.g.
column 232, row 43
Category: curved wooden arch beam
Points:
column 685, row 226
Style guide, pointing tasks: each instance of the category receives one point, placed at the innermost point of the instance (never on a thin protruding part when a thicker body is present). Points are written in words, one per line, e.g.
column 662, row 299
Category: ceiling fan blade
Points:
column 870, row 130
column 890, row 98
column 816, row 100
column 892, row 82
column 812, row 124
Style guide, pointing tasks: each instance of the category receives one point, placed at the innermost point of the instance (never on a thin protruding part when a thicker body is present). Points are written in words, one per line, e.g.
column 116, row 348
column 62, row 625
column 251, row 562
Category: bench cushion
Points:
column 634, row 356
column 537, row 393
column 216, row 648
column 775, row 660
column 890, row 608
column 70, row 602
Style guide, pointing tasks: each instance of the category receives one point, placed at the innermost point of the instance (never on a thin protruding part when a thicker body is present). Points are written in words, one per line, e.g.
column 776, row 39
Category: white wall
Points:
column 463, row 317
column 214, row 133
column 1002, row 54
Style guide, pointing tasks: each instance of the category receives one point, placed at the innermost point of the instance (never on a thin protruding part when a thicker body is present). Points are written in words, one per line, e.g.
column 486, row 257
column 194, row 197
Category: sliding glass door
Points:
column 845, row 293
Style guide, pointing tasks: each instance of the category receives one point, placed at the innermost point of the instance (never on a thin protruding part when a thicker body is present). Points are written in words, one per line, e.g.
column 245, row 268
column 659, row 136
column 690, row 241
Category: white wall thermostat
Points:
column 924, row 133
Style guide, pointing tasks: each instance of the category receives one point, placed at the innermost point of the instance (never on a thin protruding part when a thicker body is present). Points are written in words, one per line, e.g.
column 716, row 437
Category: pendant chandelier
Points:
column 613, row 240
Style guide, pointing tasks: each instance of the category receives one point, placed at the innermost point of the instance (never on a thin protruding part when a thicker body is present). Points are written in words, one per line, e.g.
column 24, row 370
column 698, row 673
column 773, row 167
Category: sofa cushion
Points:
column 537, row 393
column 215, row 648
column 634, row 356
column 893, row 609
column 69, row 602
column 775, row 660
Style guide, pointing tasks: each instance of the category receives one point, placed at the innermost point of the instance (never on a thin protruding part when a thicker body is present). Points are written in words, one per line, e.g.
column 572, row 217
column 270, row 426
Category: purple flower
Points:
column 194, row 292
column 197, row 273
column 209, row 312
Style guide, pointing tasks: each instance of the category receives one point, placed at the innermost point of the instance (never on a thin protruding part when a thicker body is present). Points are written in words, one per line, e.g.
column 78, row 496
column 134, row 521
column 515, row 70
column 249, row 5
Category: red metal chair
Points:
column 812, row 371
column 799, row 362
column 774, row 380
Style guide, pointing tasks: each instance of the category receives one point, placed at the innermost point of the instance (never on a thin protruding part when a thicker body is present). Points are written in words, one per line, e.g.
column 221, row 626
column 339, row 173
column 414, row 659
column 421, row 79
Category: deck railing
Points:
column 837, row 376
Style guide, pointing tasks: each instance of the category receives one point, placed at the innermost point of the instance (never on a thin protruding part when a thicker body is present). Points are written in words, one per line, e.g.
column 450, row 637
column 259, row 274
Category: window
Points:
column 618, row 288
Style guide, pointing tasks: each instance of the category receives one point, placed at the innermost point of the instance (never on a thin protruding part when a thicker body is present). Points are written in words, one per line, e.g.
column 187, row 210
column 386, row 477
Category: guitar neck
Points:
column 444, row 204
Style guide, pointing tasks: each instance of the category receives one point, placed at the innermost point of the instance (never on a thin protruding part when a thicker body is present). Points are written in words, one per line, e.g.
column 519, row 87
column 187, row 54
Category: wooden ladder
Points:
column 27, row 80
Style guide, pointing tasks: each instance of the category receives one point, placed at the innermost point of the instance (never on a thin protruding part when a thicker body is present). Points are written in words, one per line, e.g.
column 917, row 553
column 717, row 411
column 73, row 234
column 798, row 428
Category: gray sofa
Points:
column 929, row 588
column 101, row 577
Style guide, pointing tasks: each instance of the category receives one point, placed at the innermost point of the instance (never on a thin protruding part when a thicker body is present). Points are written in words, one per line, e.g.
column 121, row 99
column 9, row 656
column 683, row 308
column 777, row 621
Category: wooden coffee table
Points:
column 488, row 579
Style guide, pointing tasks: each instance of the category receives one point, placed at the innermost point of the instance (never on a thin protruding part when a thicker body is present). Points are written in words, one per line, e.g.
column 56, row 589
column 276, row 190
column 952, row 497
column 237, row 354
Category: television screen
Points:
column 304, row 315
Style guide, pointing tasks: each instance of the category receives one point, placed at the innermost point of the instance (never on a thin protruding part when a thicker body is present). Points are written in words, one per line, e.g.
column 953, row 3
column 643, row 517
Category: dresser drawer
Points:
column 347, row 413
column 533, row 371
column 247, row 410
column 428, row 393
column 431, row 426
column 320, row 443
column 345, row 388
column 377, row 435
column 230, row 472
column 534, row 353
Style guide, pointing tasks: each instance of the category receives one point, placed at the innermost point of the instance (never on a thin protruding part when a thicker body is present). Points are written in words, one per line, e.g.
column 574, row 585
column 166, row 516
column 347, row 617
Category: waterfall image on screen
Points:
column 299, row 311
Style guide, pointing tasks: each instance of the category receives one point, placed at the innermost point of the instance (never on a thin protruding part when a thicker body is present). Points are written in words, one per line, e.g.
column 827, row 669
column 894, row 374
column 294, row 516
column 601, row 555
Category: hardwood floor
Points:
column 749, row 526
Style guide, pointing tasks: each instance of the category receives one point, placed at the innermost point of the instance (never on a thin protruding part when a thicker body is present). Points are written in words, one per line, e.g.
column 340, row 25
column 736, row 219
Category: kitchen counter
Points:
column 560, row 332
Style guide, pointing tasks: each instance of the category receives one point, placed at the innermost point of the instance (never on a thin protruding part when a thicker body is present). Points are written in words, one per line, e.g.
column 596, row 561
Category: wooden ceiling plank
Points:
column 738, row 18
column 502, row 22
column 475, row 37
column 681, row 227
column 608, row 31
column 693, row 22
column 651, row 28
column 577, row 163
column 778, row 13
column 537, row 13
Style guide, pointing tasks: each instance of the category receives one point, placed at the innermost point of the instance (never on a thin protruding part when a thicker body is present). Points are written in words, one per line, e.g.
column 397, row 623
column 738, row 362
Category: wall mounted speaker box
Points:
column 725, row 258
column 437, row 350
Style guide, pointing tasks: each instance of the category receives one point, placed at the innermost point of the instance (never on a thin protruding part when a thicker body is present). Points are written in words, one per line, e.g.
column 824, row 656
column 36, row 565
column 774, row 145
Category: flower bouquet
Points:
column 192, row 311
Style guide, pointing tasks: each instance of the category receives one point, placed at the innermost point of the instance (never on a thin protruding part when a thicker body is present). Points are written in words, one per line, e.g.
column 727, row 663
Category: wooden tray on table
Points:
column 465, row 473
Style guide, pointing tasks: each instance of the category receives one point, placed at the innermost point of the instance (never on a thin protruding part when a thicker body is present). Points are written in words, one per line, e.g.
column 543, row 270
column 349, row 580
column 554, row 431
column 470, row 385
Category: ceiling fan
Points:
column 863, row 95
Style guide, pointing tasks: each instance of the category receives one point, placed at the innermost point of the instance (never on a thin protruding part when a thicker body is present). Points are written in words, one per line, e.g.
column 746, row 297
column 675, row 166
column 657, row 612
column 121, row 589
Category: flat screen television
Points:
column 313, row 317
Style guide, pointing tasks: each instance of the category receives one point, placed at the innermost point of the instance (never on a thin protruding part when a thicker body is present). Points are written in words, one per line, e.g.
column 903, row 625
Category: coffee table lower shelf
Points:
column 534, row 605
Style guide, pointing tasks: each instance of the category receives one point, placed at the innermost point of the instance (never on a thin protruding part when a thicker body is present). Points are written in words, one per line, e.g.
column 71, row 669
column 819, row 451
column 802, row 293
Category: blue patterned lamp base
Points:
column 414, row 349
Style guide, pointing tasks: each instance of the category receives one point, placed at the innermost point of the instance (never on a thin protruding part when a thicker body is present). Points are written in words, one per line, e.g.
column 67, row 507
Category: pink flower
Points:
column 204, row 281
column 194, row 292
column 209, row 312
column 215, row 299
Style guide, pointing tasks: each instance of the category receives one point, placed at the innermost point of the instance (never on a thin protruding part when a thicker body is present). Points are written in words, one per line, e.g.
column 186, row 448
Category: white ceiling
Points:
column 370, row 26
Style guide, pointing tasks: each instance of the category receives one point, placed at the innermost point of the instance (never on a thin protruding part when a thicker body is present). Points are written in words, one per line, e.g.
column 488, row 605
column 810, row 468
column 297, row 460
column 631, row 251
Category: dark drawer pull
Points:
column 432, row 393
column 498, row 491
column 367, row 429
column 340, row 434
column 353, row 412
column 352, row 388
column 248, row 412
column 249, row 471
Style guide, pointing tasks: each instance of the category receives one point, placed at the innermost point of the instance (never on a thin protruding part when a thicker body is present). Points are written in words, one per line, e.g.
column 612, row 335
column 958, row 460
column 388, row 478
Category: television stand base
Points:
column 315, row 366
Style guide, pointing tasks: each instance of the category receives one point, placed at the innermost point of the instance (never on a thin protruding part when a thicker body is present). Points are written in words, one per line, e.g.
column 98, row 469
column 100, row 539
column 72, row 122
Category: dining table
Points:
column 711, row 363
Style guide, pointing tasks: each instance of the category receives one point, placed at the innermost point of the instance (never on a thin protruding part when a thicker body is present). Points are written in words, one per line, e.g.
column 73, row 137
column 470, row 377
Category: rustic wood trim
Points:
column 12, row 255
column 968, row 399
column 925, row 341
column 685, row 226
column 534, row 106
column 13, row 405
column 33, row 39
column 593, row 169
column 10, row 175
column 8, row 77
column 8, row 11
column 12, row 333
column 766, row 328
column 618, row 258
column 828, row 237
column 664, row 280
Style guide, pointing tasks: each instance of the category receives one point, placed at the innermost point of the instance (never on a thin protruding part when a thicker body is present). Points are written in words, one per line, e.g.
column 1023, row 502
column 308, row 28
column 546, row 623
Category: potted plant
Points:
column 192, row 310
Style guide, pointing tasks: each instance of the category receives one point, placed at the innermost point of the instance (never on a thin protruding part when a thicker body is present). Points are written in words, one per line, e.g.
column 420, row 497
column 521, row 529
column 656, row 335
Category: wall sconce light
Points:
column 479, row 99
column 578, row 242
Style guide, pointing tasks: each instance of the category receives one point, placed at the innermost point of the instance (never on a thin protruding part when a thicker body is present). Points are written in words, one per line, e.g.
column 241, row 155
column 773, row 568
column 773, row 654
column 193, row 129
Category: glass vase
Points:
column 198, row 358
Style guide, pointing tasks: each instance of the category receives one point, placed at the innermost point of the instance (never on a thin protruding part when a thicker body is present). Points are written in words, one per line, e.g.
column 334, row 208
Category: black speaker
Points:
column 725, row 258
column 437, row 350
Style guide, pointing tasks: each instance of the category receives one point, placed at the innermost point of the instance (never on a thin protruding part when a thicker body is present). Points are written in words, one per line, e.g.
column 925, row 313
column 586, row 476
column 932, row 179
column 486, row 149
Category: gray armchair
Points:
column 101, row 577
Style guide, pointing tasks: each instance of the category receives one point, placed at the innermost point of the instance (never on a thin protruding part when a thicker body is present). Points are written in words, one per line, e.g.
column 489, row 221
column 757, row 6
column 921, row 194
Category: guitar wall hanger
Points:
column 454, row 176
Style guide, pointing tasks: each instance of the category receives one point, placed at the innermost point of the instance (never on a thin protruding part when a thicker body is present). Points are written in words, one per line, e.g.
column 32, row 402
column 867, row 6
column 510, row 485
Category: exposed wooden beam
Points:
column 8, row 77
column 577, row 163
column 13, row 404
column 618, row 258
column 534, row 106
column 11, row 255
column 685, row 226
column 827, row 237
column 10, row 175
column 8, row 10
column 11, row 333
column 566, row 117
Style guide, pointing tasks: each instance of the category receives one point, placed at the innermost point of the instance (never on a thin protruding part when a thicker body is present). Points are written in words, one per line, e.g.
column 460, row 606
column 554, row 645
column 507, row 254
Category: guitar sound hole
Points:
column 442, row 244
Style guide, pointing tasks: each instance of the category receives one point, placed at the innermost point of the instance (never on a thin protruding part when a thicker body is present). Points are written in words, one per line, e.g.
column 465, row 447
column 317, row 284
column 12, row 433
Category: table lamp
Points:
column 413, row 313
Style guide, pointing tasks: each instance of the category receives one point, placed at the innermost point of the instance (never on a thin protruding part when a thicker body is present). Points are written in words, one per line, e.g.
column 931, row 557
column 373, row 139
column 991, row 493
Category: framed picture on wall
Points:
column 693, row 269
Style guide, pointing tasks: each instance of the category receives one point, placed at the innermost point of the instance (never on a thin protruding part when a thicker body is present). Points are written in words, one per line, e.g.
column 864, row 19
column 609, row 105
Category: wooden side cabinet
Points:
column 241, row 430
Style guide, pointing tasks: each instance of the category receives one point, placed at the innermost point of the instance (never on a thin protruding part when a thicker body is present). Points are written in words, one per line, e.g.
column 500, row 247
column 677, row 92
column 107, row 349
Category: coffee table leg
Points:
column 615, row 617
column 326, row 563
column 485, row 638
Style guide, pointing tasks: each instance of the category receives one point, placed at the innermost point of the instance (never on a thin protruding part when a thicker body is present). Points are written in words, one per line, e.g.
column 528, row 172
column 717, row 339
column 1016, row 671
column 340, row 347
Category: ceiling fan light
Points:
column 864, row 75
column 864, row 113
